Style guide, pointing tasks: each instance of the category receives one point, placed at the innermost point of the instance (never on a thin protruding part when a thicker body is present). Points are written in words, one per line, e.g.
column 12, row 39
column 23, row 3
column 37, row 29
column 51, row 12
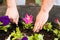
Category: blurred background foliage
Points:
column 27, row 2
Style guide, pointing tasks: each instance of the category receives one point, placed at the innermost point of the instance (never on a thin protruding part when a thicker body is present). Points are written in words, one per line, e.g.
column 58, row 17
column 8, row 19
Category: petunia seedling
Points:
column 28, row 20
column 48, row 26
column 16, row 34
column 38, row 37
column 56, row 31
column 56, row 38
column 4, row 23
column 31, row 37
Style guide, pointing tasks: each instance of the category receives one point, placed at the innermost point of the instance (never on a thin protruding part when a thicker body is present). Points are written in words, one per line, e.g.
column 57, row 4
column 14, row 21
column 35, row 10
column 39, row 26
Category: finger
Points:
column 36, row 26
column 40, row 25
column 17, row 20
column 40, row 28
column 37, row 29
column 11, row 19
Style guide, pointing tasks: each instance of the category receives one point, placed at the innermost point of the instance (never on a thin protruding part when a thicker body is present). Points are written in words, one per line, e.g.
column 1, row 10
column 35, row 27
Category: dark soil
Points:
column 47, row 35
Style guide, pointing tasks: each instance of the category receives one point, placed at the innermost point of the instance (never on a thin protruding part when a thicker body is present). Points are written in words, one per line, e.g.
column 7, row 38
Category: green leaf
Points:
column 38, row 37
column 58, row 35
column 13, row 33
column 1, row 23
column 16, row 34
column 48, row 26
column 5, row 28
column 55, row 31
column 27, row 26
column 14, row 38
column 30, row 37
column 56, row 38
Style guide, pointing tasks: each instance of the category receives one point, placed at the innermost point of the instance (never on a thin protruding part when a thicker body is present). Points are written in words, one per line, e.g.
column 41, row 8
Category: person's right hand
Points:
column 13, row 14
column 41, row 19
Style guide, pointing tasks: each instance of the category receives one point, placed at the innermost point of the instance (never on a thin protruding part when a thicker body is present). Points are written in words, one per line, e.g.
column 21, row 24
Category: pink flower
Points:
column 28, row 19
column 57, row 21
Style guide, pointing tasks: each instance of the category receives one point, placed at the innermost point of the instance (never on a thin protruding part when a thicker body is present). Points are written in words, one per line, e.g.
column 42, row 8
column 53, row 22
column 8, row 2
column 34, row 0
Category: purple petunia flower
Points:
column 5, row 20
column 28, row 19
column 24, row 38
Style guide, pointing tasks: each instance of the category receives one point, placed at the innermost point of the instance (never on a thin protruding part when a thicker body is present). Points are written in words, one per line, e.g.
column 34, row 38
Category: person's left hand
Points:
column 13, row 14
column 41, row 19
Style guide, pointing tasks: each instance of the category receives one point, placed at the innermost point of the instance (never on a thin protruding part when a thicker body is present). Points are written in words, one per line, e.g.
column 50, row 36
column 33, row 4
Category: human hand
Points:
column 40, row 21
column 13, row 14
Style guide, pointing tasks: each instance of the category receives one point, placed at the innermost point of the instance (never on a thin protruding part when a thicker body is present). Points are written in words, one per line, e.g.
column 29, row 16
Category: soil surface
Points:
column 47, row 35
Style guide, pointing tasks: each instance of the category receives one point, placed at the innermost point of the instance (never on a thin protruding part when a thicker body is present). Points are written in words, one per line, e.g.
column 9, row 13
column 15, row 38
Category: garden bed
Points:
column 47, row 35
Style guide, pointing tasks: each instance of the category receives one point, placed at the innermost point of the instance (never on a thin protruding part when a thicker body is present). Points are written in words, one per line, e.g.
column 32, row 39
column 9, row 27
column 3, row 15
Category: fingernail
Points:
column 41, row 28
column 37, row 31
column 16, row 22
column 33, row 30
